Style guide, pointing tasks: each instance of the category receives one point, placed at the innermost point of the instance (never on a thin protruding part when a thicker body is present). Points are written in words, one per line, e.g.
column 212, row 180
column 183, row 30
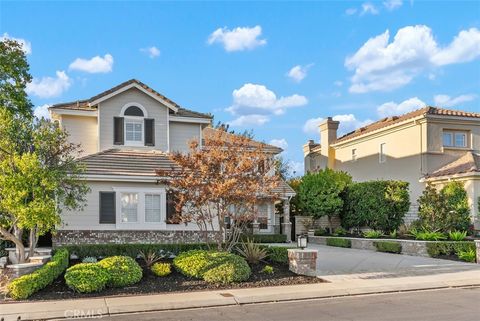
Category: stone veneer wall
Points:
column 409, row 247
column 318, row 223
column 75, row 237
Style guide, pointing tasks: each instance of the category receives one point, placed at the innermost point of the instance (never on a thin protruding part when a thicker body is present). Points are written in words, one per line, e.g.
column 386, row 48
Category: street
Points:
column 448, row 304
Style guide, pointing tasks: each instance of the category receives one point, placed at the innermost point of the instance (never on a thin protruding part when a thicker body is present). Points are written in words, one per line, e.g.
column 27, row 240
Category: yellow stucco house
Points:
column 428, row 145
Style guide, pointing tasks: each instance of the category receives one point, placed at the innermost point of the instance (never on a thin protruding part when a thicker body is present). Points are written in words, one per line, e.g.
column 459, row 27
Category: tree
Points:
column 319, row 193
column 222, row 180
column 14, row 77
column 38, row 172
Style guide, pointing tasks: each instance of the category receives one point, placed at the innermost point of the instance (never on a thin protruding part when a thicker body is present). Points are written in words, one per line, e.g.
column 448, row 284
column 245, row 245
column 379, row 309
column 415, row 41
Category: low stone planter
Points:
column 17, row 270
column 40, row 251
column 409, row 247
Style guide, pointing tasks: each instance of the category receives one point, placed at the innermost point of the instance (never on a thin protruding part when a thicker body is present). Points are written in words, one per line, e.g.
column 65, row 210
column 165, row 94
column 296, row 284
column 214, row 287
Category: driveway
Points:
column 336, row 262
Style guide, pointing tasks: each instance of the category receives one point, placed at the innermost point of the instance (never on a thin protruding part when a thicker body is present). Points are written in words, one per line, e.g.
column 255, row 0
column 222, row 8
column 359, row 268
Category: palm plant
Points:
column 252, row 252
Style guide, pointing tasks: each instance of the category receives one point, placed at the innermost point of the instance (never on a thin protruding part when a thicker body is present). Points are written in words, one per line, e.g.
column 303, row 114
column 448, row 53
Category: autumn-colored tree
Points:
column 221, row 182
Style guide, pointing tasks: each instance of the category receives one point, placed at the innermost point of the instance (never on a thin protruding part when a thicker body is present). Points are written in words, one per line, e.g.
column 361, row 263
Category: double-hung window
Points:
column 152, row 208
column 454, row 139
column 129, row 207
column 133, row 131
column 139, row 208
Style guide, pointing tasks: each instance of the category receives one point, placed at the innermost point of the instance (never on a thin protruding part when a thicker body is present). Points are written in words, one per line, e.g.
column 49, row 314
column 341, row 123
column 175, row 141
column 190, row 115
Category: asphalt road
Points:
column 438, row 305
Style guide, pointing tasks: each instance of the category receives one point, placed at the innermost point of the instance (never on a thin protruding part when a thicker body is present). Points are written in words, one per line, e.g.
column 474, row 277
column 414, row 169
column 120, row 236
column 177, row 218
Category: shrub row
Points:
column 265, row 238
column 339, row 242
column 213, row 267
column 379, row 205
column 437, row 249
column 388, row 246
column 26, row 285
column 132, row 250
column 277, row 254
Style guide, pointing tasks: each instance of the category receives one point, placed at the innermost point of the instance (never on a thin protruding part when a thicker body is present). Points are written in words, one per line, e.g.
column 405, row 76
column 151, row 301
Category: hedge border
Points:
column 388, row 246
column 339, row 242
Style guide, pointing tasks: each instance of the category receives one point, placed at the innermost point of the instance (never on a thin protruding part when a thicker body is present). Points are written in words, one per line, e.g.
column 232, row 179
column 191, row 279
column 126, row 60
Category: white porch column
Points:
column 286, row 225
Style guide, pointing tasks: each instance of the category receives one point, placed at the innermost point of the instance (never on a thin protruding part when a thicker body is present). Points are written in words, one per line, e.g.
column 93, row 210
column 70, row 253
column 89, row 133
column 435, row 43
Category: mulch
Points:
column 176, row 282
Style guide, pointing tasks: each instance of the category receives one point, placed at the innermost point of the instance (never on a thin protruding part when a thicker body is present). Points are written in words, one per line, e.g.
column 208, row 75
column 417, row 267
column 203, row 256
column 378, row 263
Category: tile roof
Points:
column 283, row 188
column 267, row 147
column 126, row 162
column 468, row 163
column 85, row 103
column 388, row 121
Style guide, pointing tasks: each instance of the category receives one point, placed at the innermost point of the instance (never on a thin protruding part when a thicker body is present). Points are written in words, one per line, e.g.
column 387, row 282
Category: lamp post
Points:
column 301, row 241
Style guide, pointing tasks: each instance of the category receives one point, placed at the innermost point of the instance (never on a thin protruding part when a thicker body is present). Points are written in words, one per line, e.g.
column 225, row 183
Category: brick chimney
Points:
column 328, row 135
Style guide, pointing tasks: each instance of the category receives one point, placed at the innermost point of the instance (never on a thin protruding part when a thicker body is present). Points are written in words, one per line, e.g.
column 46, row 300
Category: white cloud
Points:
column 152, row 52
column 94, row 65
column 249, row 120
column 338, row 83
column 348, row 122
column 238, row 39
column 47, row 87
column 368, row 8
column 298, row 72
column 447, row 101
column 42, row 112
column 392, row 4
column 351, row 11
column 393, row 109
column 26, row 45
column 282, row 143
column 380, row 65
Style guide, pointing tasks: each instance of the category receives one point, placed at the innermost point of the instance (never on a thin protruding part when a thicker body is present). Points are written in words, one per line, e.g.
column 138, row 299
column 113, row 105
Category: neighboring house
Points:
column 429, row 145
column 126, row 133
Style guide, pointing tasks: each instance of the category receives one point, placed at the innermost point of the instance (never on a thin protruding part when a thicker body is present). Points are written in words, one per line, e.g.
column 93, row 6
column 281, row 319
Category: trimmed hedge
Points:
column 277, row 254
column 265, row 238
column 215, row 267
column 379, row 205
column 437, row 249
column 131, row 250
column 86, row 277
column 26, row 285
column 339, row 242
column 388, row 246
column 123, row 270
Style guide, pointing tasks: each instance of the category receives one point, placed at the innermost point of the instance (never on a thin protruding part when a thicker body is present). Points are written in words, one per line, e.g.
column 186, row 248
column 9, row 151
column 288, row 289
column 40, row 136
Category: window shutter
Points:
column 118, row 131
column 149, row 132
column 107, row 207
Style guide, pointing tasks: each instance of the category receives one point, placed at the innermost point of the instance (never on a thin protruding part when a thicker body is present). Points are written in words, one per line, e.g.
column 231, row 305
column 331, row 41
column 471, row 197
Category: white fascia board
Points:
column 86, row 113
column 137, row 86
column 190, row 120
column 122, row 178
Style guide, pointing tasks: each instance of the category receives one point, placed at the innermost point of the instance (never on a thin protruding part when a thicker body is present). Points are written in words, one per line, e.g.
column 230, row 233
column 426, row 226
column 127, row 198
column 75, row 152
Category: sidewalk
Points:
column 338, row 287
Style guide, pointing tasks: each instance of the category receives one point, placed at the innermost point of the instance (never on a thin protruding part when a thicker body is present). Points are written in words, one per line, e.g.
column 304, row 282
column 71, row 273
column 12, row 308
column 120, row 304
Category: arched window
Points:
column 134, row 115
column 133, row 111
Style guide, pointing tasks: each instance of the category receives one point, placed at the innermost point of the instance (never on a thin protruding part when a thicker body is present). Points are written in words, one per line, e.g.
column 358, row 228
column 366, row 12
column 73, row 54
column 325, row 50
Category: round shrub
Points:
column 215, row 267
column 228, row 269
column 161, row 269
column 86, row 277
column 123, row 270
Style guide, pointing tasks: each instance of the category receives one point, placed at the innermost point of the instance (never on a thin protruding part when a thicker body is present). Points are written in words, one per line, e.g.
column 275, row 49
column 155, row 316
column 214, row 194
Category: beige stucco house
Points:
column 126, row 133
column 429, row 145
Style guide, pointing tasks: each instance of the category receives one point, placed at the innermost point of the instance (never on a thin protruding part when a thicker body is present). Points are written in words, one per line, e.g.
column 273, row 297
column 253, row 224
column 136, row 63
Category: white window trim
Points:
column 133, row 142
column 140, row 224
column 124, row 108
column 452, row 134
column 382, row 156
column 270, row 220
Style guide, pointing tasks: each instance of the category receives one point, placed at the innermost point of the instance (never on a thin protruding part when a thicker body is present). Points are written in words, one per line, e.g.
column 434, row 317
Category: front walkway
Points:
column 344, row 263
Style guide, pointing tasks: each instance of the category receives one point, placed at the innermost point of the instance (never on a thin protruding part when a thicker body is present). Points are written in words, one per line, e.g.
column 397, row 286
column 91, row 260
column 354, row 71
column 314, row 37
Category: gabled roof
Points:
column 91, row 103
column 208, row 131
column 388, row 121
column 468, row 163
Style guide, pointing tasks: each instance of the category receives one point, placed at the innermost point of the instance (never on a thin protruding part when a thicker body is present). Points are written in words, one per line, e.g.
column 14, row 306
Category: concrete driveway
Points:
column 336, row 262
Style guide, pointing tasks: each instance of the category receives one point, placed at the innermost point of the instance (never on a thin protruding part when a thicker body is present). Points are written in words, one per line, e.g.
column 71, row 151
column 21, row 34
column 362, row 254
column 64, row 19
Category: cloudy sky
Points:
column 276, row 68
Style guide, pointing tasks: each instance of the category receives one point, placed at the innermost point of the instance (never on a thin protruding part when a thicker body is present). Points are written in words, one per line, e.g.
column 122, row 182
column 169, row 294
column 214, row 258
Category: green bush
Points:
column 467, row 256
column 268, row 269
column 437, row 249
column 389, row 247
column 86, row 277
column 215, row 267
column 277, row 254
column 26, row 285
column 425, row 235
column 132, row 250
column 161, row 269
column 372, row 234
column 123, row 270
column 379, row 205
column 444, row 210
column 320, row 232
column 340, row 231
column 457, row 235
column 265, row 238
column 339, row 242
column 252, row 252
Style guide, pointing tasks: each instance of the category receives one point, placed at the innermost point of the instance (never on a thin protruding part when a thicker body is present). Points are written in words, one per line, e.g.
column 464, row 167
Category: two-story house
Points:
column 126, row 134
column 428, row 145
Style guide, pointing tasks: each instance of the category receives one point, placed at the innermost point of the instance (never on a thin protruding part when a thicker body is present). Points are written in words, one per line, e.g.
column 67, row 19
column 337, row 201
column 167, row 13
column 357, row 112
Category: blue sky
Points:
column 276, row 68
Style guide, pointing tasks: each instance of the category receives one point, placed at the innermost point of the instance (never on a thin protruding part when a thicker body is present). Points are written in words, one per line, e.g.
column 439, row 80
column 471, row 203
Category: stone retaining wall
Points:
column 74, row 237
column 409, row 247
